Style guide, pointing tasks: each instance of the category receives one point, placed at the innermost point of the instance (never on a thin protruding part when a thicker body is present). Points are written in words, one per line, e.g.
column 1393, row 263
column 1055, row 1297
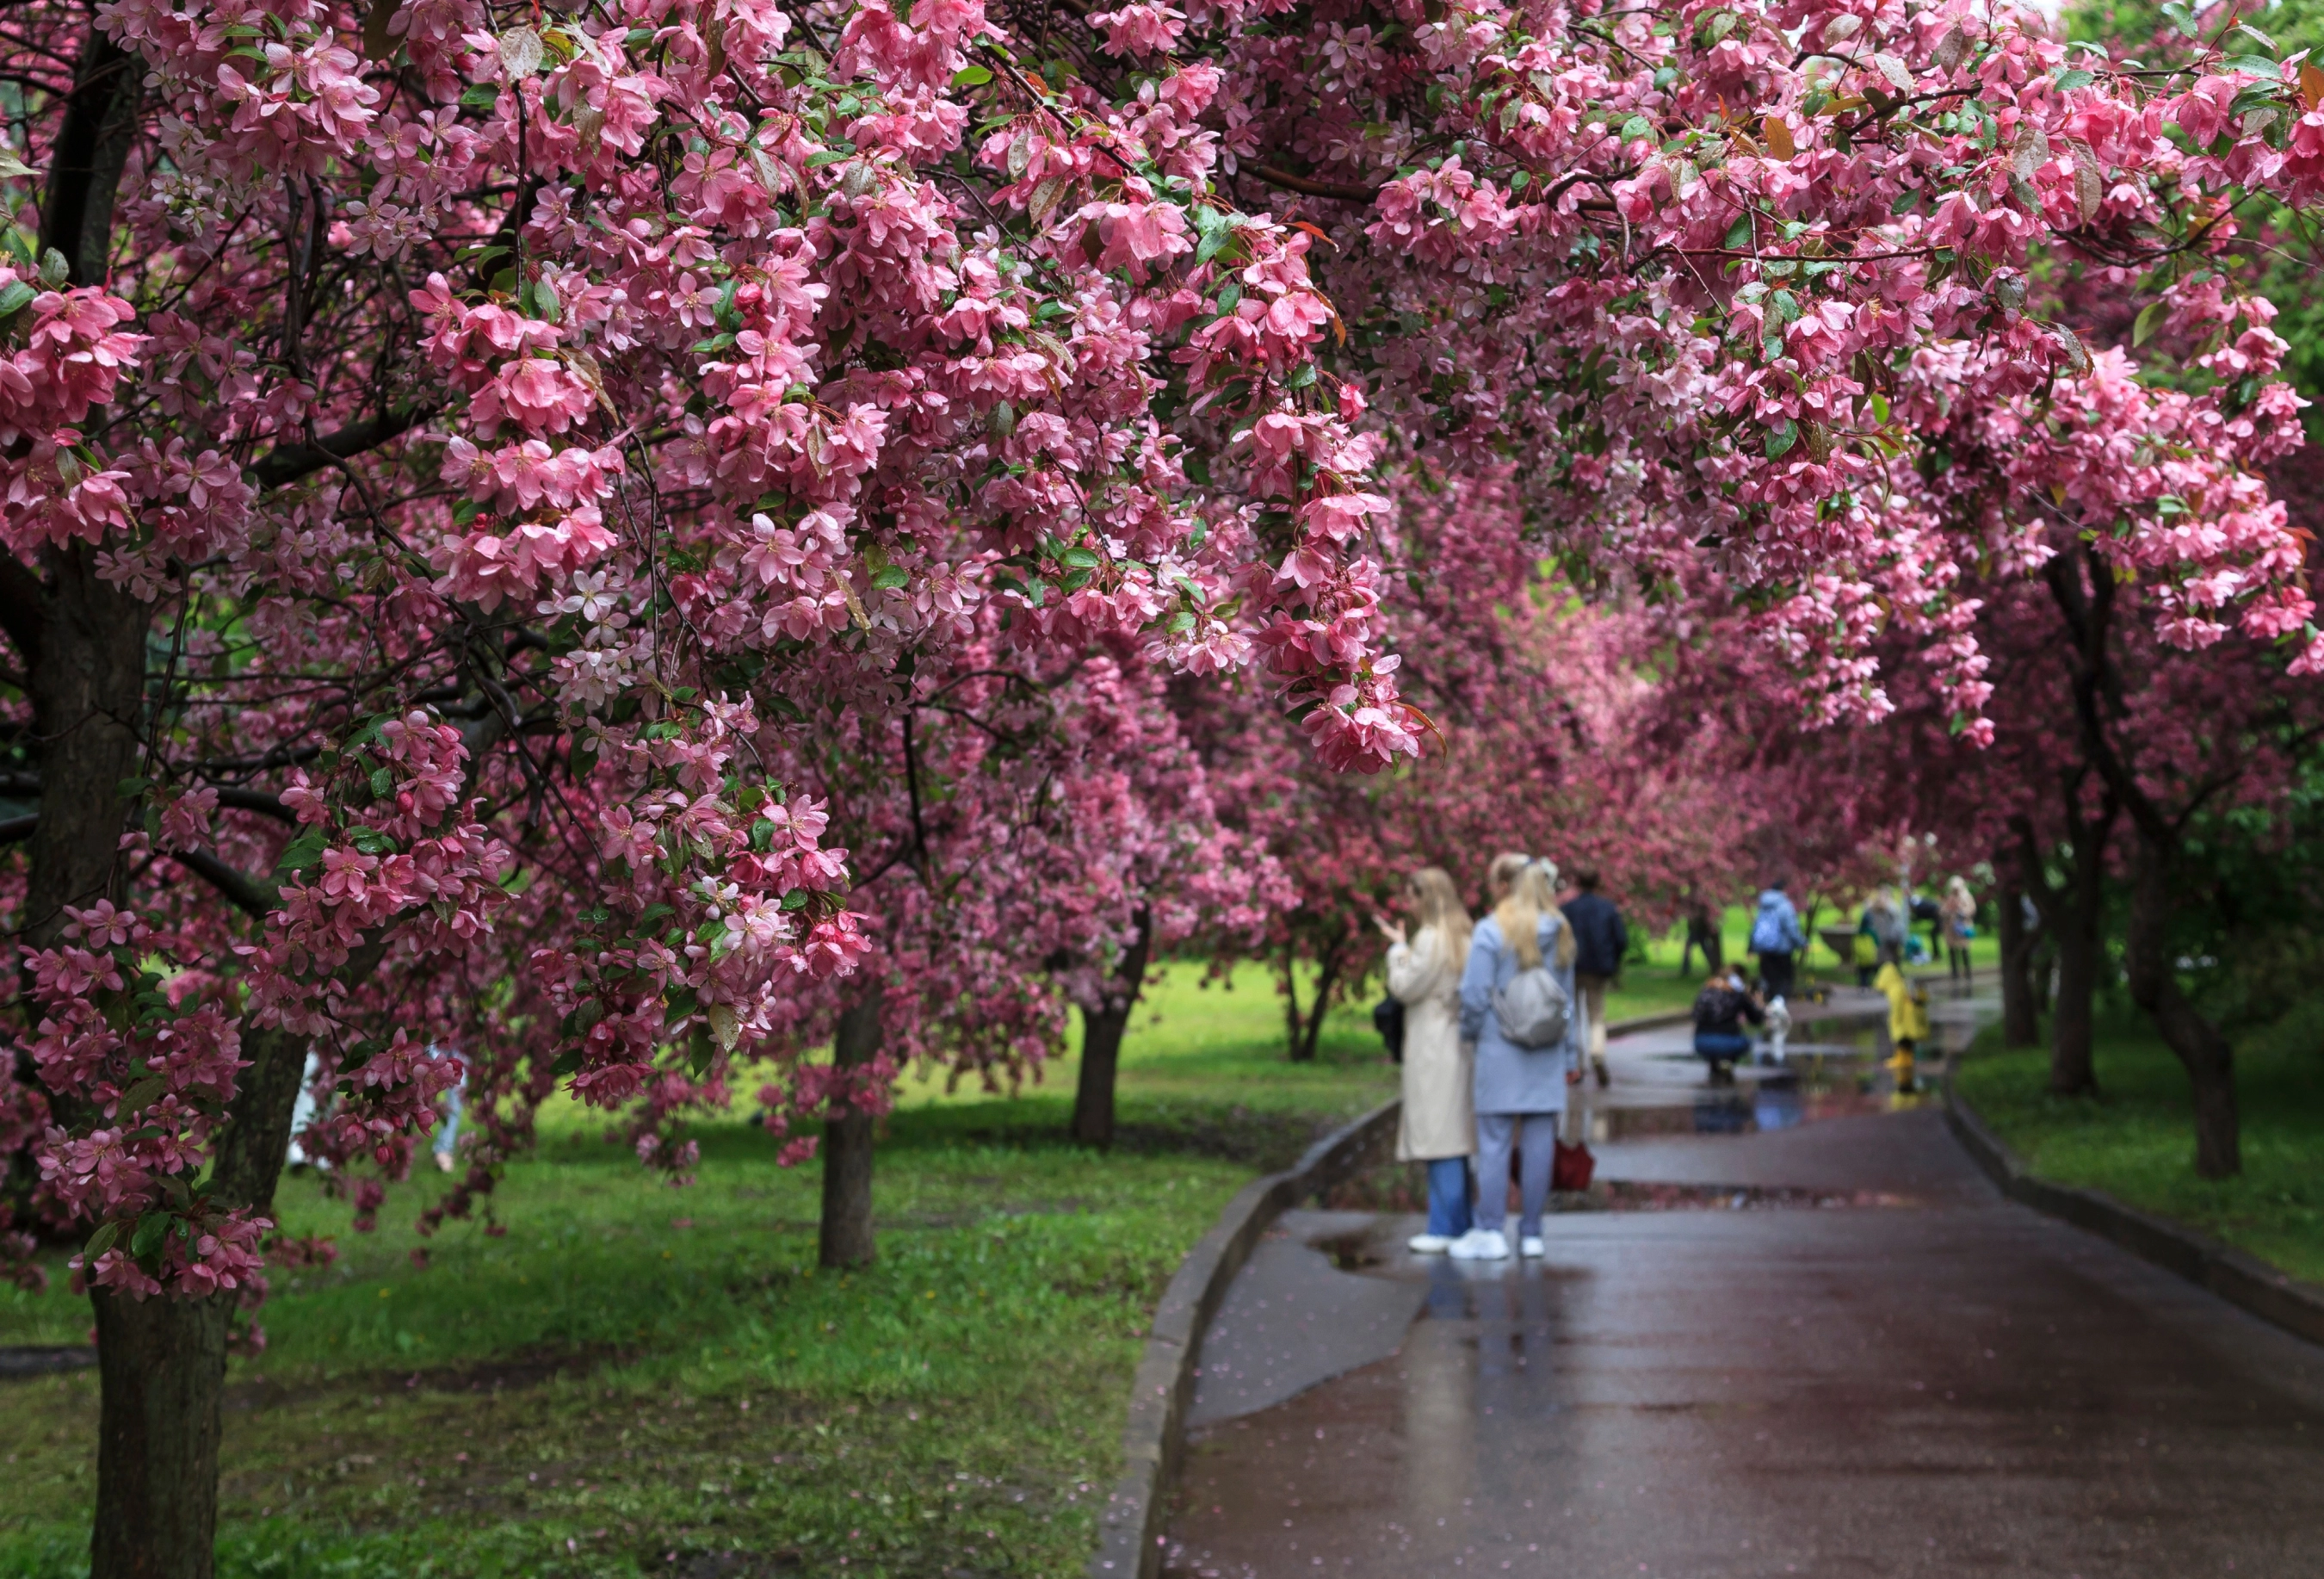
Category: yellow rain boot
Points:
column 1900, row 1063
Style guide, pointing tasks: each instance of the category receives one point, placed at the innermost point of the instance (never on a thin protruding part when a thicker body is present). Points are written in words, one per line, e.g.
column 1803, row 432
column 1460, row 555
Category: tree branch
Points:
column 254, row 897
column 258, row 801
column 1346, row 191
column 290, row 462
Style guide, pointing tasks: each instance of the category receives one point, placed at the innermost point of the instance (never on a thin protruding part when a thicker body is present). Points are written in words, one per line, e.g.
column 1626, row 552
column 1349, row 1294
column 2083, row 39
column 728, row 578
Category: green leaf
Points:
column 1738, row 235
column 653, row 913
column 2257, row 65
column 796, row 900
column 971, row 77
column 2143, row 325
column 151, row 1229
column 1079, row 559
column 1780, row 438
column 481, row 96
column 100, row 1241
column 2070, row 80
column 14, row 296
column 371, row 841
column 130, row 789
column 382, row 782
column 892, row 576
column 305, row 850
column 141, row 1095
column 567, row 1065
column 681, row 1004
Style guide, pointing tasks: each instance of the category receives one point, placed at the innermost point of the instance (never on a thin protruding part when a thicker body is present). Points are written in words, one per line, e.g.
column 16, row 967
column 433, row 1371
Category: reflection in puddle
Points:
column 1815, row 1087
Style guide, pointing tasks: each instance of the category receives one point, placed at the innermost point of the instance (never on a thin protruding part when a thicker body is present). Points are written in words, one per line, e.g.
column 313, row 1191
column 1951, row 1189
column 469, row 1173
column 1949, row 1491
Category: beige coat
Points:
column 1439, row 1117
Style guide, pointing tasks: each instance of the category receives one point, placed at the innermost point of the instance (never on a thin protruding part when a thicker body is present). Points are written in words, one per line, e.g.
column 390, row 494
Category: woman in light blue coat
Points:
column 1520, row 1093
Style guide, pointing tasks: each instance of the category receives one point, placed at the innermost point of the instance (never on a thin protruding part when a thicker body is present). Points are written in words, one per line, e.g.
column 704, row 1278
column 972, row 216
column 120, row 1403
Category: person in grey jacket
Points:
column 1520, row 1093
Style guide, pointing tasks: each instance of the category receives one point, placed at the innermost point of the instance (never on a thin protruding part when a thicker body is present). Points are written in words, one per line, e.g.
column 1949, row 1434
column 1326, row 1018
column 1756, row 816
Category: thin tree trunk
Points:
column 846, row 1228
column 1101, row 1033
column 1293, row 1022
column 2207, row 1057
column 1327, row 976
column 2021, row 1020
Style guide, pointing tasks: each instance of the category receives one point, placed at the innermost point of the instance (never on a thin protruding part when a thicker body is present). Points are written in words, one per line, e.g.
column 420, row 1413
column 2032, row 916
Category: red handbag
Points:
column 1571, row 1168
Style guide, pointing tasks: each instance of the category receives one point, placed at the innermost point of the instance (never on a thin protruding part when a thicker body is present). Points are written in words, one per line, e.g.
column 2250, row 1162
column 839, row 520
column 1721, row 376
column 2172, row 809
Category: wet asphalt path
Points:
column 1944, row 1384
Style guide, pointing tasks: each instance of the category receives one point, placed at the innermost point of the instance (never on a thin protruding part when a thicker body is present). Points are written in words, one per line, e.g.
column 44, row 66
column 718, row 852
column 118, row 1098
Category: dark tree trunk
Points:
column 2073, row 917
column 1101, row 1033
column 160, row 1367
column 2073, row 1069
column 88, row 686
column 1294, row 1024
column 2207, row 1055
column 93, row 148
column 846, row 1230
column 2021, row 1018
column 1308, row 1032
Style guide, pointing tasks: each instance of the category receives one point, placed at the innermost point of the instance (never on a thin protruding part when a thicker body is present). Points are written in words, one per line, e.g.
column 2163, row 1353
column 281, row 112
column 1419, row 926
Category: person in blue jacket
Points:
column 1520, row 1092
column 1776, row 940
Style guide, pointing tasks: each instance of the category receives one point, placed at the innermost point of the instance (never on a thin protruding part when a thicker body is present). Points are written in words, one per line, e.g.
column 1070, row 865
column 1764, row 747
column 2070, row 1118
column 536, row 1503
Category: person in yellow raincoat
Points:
column 1908, row 1019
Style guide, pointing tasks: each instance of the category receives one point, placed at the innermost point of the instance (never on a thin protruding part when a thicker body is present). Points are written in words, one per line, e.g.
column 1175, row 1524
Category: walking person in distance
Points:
column 1957, row 918
column 1438, row 1124
column 1517, row 1006
column 1776, row 938
column 1599, row 941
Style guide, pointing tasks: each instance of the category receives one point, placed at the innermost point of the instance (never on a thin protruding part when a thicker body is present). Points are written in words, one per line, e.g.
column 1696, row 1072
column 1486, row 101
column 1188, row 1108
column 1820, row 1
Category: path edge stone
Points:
column 2236, row 1276
column 1129, row 1529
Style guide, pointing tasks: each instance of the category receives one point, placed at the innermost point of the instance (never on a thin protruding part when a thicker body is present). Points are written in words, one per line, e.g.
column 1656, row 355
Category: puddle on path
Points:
column 1810, row 1087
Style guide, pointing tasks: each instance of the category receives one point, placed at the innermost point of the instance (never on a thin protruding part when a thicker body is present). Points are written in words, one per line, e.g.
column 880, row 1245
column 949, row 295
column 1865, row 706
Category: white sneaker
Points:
column 1480, row 1244
column 1428, row 1244
column 1531, row 1245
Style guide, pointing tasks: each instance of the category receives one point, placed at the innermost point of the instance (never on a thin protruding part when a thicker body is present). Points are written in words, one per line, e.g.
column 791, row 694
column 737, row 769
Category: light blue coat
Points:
column 1510, row 1079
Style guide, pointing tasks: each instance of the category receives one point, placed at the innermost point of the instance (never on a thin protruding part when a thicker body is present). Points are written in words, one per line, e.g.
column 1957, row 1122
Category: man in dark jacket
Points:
column 1600, row 942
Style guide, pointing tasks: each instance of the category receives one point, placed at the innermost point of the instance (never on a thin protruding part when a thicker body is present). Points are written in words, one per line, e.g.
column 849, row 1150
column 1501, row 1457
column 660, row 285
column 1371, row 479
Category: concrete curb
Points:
column 2236, row 1277
column 1129, row 1531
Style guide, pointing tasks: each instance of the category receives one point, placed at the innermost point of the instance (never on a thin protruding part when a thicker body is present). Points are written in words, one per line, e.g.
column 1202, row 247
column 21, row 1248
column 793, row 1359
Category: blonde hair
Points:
column 1528, row 888
column 1440, row 906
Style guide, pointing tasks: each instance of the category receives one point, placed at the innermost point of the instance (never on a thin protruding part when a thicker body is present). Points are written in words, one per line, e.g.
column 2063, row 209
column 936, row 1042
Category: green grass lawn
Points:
column 2135, row 1139
column 642, row 1380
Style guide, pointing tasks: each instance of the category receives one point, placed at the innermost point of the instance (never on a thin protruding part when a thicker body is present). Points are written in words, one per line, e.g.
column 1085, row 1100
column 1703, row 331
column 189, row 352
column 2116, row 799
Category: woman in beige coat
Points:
column 1438, row 1125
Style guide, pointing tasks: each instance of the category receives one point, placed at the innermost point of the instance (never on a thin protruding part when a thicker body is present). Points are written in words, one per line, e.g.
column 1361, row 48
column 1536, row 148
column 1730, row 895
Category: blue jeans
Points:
column 1448, row 1196
column 1732, row 1048
column 1497, row 1135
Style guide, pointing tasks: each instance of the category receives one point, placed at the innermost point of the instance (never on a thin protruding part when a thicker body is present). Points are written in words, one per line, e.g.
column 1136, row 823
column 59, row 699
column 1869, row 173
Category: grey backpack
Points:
column 1533, row 1009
